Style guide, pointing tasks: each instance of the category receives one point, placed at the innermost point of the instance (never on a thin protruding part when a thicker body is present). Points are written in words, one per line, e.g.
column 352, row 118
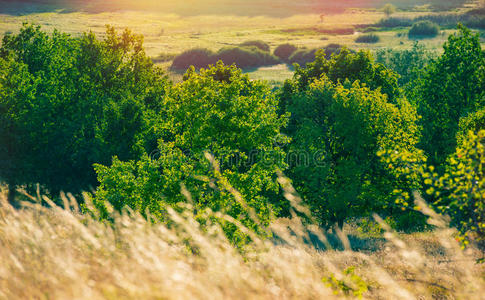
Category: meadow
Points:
column 170, row 28
column 242, row 149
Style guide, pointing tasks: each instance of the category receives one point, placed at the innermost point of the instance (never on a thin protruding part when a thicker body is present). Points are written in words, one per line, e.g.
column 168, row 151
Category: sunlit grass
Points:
column 58, row 253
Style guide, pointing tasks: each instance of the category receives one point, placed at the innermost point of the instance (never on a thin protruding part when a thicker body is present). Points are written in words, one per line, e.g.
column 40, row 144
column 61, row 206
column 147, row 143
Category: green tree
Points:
column 346, row 65
column 408, row 63
column 451, row 87
column 222, row 112
column 68, row 103
column 474, row 122
column 337, row 132
column 389, row 9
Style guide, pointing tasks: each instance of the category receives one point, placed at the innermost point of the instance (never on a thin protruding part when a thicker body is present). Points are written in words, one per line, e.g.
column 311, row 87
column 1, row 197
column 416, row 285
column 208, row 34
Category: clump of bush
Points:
column 284, row 51
column 258, row 44
column 304, row 56
column 198, row 57
column 243, row 56
column 394, row 22
column 424, row 29
column 246, row 57
column 368, row 38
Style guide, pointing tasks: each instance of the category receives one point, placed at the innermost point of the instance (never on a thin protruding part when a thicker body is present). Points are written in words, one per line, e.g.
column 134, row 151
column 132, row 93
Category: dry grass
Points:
column 57, row 253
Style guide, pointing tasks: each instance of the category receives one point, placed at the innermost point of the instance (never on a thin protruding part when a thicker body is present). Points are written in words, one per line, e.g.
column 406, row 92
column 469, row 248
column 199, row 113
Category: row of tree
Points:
column 82, row 113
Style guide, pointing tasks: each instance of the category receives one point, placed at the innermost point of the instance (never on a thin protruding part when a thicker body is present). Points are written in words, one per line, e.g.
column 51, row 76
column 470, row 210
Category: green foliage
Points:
column 409, row 63
column 451, row 87
column 198, row 57
column 261, row 45
column 368, row 38
column 350, row 284
column 424, row 29
column 394, row 22
column 302, row 56
column 246, row 57
column 305, row 56
column 474, row 122
column 389, row 9
column 461, row 190
column 222, row 112
column 337, row 131
column 284, row 51
column 243, row 56
column 458, row 192
column 348, row 66
column 70, row 102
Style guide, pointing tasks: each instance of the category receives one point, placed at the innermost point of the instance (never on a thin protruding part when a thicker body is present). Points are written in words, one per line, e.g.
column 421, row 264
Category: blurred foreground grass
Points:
column 59, row 253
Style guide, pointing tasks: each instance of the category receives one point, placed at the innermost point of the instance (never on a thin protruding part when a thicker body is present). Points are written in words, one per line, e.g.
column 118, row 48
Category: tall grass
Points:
column 59, row 253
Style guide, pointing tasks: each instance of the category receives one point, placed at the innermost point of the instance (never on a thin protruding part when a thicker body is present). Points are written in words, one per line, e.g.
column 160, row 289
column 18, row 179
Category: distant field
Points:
column 168, row 30
column 275, row 8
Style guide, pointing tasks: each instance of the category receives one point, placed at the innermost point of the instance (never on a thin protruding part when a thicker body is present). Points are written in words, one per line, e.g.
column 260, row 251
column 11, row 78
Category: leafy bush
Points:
column 465, row 177
column 351, row 66
column 389, row 9
column 258, row 44
column 473, row 122
column 472, row 19
column 477, row 22
column 305, row 56
column 337, row 131
column 243, row 57
column 220, row 111
column 70, row 102
column 424, row 29
column 302, row 56
column 199, row 58
column 451, row 87
column 460, row 191
column 368, row 38
column 408, row 63
column 284, row 51
column 246, row 57
column 394, row 22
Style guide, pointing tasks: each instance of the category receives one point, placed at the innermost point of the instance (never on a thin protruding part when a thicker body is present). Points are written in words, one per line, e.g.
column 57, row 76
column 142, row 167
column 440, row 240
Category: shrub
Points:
column 408, row 63
column 302, row 56
column 389, row 9
column 473, row 122
column 246, row 57
column 199, row 58
column 460, row 192
column 477, row 22
column 351, row 66
column 331, row 49
column 337, row 131
column 449, row 88
column 258, row 44
column 284, row 51
column 367, row 38
column 220, row 111
column 394, row 22
column 424, row 29
column 68, row 103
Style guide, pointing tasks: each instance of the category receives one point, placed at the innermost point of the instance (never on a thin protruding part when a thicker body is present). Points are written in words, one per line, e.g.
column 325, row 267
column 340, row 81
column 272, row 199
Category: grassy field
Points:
column 57, row 253
column 168, row 30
